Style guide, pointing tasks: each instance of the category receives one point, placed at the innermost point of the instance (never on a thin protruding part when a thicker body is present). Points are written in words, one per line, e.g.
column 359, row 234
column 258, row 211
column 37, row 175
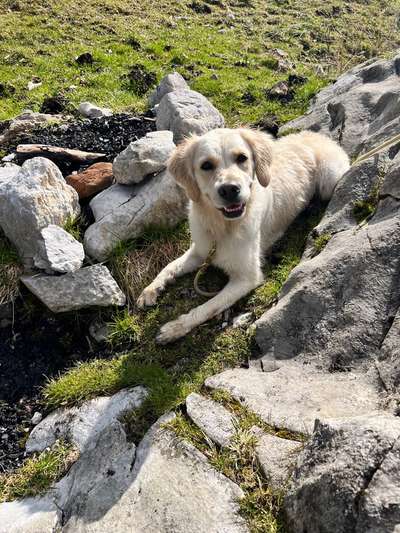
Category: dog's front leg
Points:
column 184, row 264
column 231, row 293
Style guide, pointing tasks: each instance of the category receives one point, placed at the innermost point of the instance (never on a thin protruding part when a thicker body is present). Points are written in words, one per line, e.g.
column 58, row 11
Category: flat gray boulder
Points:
column 361, row 109
column 36, row 197
column 212, row 418
column 347, row 478
column 25, row 122
column 159, row 202
column 170, row 82
column 185, row 112
column 89, row 286
column 141, row 158
column 277, row 457
column 31, row 515
column 293, row 396
column 59, row 251
column 172, row 488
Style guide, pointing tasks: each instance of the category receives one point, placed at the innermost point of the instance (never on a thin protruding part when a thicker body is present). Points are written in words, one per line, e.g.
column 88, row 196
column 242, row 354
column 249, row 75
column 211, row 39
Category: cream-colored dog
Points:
column 245, row 190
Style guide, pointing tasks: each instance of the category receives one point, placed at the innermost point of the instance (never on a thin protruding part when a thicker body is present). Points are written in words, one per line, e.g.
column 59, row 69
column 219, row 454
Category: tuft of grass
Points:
column 261, row 506
column 75, row 227
column 38, row 472
column 123, row 328
column 363, row 210
column 320, row 242
column 10, row 271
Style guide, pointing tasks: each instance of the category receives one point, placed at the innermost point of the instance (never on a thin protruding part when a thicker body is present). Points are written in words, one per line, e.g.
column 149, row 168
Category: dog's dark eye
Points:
column 207, row 165
column 241, row 158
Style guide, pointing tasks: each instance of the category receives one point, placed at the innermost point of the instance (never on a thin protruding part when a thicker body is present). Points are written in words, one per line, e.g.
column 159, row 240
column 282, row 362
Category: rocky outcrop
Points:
column 36, row 197
column 294, row 395
column 89, row 286
column 59, row 251
column 123, row 212
column 347, row 478
column 184, row 112
column 26, row 121
column 141, row 158
column 360, row 110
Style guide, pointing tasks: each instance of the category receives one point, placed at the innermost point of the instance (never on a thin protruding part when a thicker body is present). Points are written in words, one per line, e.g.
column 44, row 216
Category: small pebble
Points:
column 37, row 417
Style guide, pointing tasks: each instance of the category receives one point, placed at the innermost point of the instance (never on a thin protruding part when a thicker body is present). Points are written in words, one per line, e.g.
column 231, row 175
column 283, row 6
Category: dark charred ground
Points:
column 36, row 344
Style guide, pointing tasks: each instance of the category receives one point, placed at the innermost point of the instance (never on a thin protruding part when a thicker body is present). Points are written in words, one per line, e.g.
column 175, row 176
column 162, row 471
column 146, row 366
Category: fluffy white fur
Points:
column 277, row 180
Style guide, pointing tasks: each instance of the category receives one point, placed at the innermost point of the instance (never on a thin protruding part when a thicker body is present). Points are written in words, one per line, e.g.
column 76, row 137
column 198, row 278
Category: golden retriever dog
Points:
column 245, row 189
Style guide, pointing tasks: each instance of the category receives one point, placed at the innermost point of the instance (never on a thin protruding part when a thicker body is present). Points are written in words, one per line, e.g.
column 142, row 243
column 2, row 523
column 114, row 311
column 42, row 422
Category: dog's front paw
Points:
column 172, row 331
column 147, row 298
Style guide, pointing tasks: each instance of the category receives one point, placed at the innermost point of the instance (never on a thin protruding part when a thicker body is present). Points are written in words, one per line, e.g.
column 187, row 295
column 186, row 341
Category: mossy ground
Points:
column 227, row 54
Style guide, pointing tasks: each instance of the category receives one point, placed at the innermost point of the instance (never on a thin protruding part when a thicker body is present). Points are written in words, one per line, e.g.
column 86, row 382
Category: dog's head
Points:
column 220, row 167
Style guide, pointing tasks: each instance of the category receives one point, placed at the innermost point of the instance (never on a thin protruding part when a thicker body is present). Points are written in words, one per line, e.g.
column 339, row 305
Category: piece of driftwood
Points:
column 56, row 153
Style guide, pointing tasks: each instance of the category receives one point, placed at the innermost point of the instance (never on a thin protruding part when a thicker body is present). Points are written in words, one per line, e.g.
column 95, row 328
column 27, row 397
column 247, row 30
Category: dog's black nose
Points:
column 229, row 192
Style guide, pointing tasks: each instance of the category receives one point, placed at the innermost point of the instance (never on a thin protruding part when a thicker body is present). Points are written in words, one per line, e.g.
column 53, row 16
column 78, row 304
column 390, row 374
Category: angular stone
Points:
column 84, row 425
column 36, row 197
column 89, row 286
column 276, row 456
column 112, row 198
column 89, row 110
column 169, row 83
column 212, row 418
column 94, row 179
column 141, row 158
column 360, row 109
column 173, row 488
column 31, row 515
column 293, row 396
column 388, row 362
column 350, row 472
column 159, row 202
column 59, row 251
column 26, row 121
column 185, row 112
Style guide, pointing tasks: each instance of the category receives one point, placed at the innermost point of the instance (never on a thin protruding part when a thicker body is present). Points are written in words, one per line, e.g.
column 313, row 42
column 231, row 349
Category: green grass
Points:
column 261, row 506
column 38, row 472
column 320, row 242
column 224, row 58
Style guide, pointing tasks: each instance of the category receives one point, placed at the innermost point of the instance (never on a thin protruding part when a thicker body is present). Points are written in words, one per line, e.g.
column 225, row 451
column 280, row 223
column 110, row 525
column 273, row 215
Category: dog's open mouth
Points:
column 234, row 210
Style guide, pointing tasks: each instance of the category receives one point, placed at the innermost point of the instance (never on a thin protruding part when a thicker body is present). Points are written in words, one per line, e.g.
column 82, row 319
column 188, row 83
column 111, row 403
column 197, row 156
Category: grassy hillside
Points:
column 226, row 49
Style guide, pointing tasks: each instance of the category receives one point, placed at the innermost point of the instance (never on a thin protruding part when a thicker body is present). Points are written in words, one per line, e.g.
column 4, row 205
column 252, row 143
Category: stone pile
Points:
column 37, row 202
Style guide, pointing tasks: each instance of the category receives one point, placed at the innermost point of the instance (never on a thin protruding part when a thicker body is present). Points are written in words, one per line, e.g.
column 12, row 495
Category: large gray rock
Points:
column 276, row 457
column 185, row 112
column 146, row 156
column 388, row 362
column 158, row 202
column 31, row 515
column 212, row 418
column 59, row 251
column 8, row 172
column 361, row 110
column 293, row 396
column 169, row 83
column 347, row 478
column 25, row 122
column 83, row 425
column 36, row 197
column 335, row 308
column 172, row 488
column 89, row 286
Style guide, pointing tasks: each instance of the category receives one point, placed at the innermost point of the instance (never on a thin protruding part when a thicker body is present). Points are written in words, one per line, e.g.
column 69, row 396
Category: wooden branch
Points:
column 56, row 153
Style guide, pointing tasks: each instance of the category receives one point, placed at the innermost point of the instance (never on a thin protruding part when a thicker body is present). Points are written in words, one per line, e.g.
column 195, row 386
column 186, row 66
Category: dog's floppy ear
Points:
column 261, row 146
column 180, row 165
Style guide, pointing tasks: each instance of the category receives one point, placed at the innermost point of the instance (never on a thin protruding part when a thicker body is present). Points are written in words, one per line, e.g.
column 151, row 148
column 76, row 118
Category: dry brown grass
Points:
column 136, row 264
column 10, row 271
